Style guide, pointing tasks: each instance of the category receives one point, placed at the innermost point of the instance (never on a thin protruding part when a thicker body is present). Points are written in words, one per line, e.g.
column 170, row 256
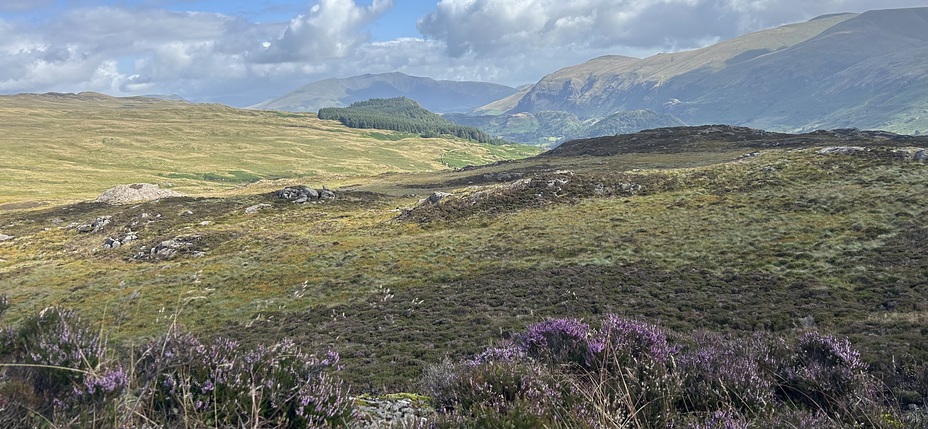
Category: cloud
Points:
column 332, row 29
column 493, row 28
column 24, row 5
column 143, row 49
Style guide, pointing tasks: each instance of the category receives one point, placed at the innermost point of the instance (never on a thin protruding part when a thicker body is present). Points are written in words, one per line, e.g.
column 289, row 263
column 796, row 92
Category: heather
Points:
column 59, row 371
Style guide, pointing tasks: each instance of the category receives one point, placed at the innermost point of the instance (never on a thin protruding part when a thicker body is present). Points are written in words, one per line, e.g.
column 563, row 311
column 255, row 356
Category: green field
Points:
column 68, row 148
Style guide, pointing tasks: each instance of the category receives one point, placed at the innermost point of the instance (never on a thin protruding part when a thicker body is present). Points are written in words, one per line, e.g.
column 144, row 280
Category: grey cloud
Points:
column 499, row 27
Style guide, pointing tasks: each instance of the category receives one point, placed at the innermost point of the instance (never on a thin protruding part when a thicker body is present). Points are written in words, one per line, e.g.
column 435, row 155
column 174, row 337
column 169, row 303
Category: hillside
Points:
column 549, row 128
column 850, row 70
column 404, row 115
column 60, row 148
column 714, row 228
column 435, row 95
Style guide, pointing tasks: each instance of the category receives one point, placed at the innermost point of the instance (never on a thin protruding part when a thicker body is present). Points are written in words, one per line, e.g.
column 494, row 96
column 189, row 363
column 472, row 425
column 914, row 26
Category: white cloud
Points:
column 332, row 29
column 208, row 56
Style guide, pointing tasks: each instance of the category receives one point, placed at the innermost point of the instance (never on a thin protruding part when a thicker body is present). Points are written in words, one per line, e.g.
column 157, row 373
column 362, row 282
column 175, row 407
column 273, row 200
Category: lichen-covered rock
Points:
column 4, row 237
column 255, row 208
column 393, row 411
column 135, row 193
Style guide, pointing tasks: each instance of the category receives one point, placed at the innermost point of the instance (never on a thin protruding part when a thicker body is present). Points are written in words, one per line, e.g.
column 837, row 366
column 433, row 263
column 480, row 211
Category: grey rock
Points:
column 326, row 195
column 4, row 237
column 94, row 226
column 842, row 150
column 137, row 192
column 435, row 198
column 921, row 155
column 297, row 194
column 111, row 243
column 255, row 208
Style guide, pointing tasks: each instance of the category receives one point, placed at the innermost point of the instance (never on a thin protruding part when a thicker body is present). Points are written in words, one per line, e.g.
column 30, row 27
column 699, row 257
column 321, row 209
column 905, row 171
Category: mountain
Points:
column 435, row 95
column 549, row 128
column 866, row 70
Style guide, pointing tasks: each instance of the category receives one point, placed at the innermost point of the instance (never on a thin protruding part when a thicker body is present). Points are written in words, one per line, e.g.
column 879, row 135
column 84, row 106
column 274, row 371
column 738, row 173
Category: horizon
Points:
column 240, row 53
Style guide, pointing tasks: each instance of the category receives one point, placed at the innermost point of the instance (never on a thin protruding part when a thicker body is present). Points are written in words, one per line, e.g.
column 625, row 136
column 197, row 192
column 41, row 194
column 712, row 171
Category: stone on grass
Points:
column 135, row 193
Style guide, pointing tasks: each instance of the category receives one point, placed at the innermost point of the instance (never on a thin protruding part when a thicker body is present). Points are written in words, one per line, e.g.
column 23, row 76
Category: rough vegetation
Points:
column 687, row 258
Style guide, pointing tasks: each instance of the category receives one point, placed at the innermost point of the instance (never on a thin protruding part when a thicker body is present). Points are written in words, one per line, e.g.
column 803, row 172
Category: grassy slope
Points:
column 772, row 242
column 69, row 148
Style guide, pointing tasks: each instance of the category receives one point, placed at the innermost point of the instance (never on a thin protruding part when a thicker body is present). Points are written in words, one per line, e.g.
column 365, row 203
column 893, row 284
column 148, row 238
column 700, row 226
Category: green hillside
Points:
column 404, row 115
column 60, row 148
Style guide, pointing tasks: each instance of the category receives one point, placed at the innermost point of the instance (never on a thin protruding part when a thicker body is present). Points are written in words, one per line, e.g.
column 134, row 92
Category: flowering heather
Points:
column 558, row 341
column 637, row 340
column 717, row 370
column 824, row 372
column 276, row 385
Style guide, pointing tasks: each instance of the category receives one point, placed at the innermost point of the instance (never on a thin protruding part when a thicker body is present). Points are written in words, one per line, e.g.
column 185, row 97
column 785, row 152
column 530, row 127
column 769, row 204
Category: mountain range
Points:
column 436, row 95
column 866, row 70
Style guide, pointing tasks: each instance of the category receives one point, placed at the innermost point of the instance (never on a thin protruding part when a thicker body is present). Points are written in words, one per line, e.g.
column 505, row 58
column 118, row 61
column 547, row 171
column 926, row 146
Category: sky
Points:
column 241, row 52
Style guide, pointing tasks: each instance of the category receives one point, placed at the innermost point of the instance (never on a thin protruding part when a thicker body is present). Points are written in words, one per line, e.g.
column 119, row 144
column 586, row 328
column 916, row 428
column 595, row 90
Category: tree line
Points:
column 404, row 115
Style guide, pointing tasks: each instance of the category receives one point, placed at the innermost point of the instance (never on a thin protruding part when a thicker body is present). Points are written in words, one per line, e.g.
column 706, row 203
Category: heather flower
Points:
column 558, row 342
column 824, row 372
column 717, row 372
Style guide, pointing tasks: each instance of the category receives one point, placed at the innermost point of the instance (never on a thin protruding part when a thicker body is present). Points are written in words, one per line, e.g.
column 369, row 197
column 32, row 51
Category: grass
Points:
column 772, row 242
column 67, row 148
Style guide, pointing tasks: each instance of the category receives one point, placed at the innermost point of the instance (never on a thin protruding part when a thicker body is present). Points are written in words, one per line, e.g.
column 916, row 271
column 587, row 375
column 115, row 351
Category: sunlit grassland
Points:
column 66, row 148
column 797, row 216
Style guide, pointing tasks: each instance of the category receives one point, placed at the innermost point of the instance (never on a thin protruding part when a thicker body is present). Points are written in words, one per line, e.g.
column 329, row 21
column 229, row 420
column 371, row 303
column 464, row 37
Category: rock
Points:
column 134, row 193
column 4, row 237
column 842, row 150
column 94, row 226
column 111, row 243
column 392, row 411
column 255, row 208
column 326, row 195
column 433, row 199
column 557, row 183
column 297, row 194
column 921, row 155
column 186, row 213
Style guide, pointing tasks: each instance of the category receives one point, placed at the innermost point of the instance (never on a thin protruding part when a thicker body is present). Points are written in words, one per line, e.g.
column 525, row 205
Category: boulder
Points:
column 94, row 226
column 297, row 194
column 433, row 199
column 135, row 193
column 255, row 208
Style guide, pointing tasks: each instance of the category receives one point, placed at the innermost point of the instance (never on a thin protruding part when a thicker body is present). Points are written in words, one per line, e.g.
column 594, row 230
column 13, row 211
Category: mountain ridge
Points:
column 864, row 70
column 436, row 95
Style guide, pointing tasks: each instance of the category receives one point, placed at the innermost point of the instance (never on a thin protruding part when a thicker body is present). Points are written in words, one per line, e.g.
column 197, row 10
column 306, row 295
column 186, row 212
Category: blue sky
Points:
column 242, row 52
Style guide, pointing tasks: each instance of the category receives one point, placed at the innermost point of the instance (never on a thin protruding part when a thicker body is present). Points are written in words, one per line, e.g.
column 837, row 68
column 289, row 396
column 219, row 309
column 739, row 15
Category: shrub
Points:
column 824, row 372
column 718, row 371
column 268, row 386
column 558, row 342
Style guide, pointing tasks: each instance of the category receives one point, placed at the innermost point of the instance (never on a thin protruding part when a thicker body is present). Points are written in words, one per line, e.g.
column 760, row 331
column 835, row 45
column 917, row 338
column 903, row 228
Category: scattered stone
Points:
column 921, row 155
column 392, row 411
column 111, row 243
column 842, row 150
column 206, row 222
column 94, row 226
column 186, row 213
column 433, row 199
column 134, row 193
column 255, row 208
column 557, row 183
column 630, row 188
column 4, row 237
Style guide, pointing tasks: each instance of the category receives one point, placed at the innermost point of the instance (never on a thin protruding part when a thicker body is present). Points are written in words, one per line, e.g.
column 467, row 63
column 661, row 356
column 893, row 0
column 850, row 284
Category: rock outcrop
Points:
column 303, row 194
column 135, row 193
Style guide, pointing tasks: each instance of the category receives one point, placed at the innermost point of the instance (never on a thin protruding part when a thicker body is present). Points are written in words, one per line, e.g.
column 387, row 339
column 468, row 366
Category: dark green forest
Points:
column 404, row 115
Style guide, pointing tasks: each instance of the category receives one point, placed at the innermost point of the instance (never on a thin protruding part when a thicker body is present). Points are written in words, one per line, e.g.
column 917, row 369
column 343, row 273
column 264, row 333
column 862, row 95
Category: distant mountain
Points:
column 435, row 95
column 549, row 128
column 866, row 70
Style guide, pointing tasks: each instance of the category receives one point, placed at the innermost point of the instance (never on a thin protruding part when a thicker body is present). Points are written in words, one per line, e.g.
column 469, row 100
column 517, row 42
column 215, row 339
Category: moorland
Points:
column 617, row 257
